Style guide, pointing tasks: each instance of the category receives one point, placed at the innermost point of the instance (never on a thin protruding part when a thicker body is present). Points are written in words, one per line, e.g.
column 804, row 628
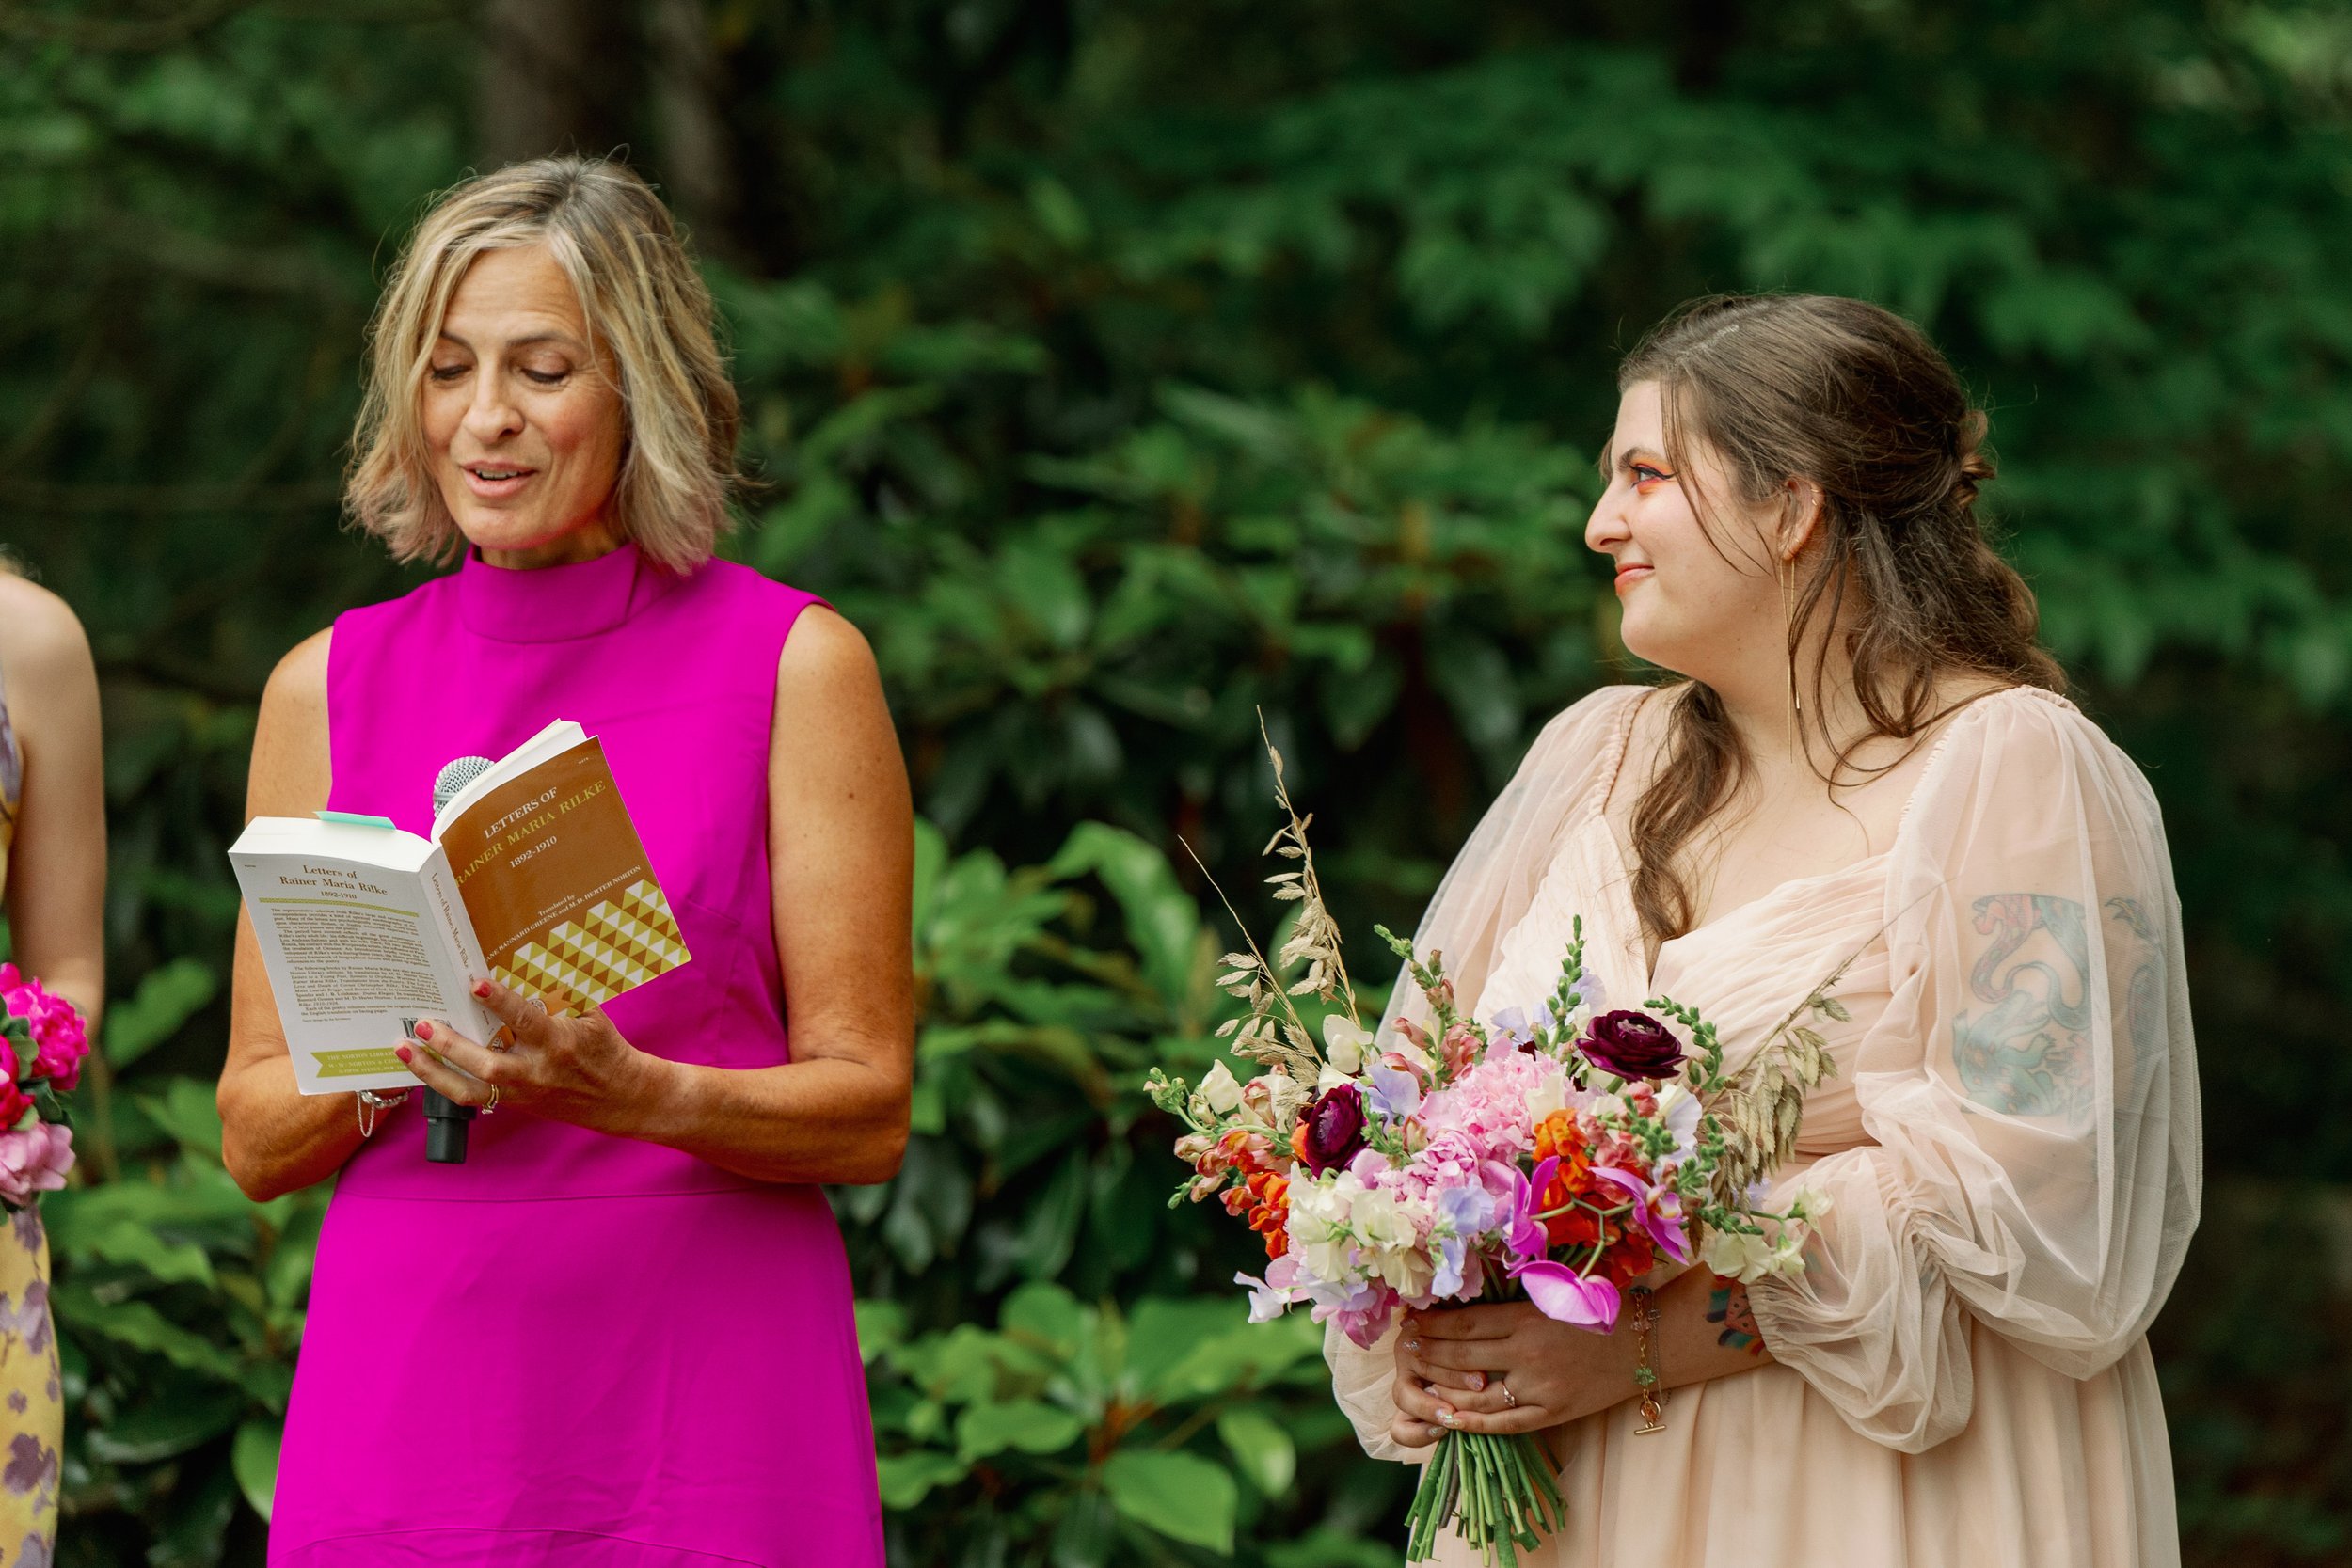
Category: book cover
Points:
column 557, row 885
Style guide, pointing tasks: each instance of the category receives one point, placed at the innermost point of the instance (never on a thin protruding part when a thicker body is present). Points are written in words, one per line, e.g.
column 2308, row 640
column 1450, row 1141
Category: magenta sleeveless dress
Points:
column 580, row 1351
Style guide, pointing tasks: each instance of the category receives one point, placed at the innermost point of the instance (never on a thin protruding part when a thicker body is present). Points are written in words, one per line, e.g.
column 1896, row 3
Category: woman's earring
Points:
column 1788, row 642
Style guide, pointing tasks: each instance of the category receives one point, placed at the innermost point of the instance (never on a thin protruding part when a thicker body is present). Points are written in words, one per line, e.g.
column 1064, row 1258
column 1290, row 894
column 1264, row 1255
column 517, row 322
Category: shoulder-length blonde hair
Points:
column 650, row 322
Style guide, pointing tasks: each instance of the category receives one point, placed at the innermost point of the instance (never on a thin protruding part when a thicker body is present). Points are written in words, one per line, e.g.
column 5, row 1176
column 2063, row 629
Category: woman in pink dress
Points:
column 1867, row 763
column 620, row 1335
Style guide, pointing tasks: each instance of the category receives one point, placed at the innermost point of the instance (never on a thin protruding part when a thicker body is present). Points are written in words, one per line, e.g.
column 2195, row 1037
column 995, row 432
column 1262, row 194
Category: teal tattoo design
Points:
column 2022, row 1052
column 2026, row 1050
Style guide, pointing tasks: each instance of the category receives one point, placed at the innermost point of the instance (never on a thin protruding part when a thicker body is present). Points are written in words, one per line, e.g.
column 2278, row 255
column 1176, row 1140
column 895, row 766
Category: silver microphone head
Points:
column 456, row 775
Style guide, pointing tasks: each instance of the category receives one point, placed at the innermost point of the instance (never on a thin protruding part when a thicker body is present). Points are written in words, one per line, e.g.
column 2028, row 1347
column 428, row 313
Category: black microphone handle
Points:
column 445, row 1128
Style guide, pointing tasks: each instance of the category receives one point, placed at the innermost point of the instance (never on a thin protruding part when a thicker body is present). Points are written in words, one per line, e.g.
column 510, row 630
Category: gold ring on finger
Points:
column 492, row 1103
column 1510, row 1400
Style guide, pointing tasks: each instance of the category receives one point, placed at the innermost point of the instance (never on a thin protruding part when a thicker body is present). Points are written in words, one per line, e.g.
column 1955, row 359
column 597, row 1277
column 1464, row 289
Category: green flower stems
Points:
column 1497, row 1492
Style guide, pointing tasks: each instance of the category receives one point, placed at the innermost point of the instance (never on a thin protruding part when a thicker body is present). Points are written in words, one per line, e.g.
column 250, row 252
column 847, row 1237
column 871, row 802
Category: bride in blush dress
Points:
column 1865, row 757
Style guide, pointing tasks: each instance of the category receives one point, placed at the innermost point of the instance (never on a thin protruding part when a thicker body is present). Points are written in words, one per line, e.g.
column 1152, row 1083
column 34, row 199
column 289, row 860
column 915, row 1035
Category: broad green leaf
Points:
column 1182, row 1496
column 1031, row 1426
column 1161, row 919
column 906, row 1479
column 1262, row 1448
column 149, row 1433
column 254, row 1457
column 188, row 1112
column 294, row 1255
column 1250, row 1355
column 1050, row 1232
column 137, row 1325
column 881, row 1327
column 167, row 998
column 1046, row 1313
column 127, row 1242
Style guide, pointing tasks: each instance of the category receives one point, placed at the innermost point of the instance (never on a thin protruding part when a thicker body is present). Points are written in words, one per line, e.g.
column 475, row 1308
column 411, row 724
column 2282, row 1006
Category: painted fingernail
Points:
column 424, row 1031
column 1478, row 1379
column 1448, row 1417
column 405, row 1055
column 481, row 988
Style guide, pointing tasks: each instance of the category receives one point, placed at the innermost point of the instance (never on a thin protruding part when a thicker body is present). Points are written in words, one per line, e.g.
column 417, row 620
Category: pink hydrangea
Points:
column 33, row 1160
column 61, row 1038
column 1489, row 1105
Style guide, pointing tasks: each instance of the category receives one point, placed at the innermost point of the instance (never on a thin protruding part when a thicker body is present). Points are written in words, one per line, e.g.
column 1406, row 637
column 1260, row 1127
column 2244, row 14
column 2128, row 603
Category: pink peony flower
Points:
column 61, row 1038
column 33, row 1160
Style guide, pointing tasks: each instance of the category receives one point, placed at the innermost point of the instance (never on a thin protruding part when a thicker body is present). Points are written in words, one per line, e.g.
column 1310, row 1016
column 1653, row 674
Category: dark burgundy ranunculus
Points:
column 1632, row 1045
column 1334, row 1128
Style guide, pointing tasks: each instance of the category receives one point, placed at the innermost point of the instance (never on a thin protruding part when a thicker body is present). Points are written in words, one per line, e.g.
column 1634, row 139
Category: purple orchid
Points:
column 1527, row 1240
column 1657, row 1209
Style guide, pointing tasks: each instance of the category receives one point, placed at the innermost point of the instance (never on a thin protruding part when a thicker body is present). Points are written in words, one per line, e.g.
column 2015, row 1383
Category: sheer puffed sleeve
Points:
column 2031, row 1088
column 1486, row 893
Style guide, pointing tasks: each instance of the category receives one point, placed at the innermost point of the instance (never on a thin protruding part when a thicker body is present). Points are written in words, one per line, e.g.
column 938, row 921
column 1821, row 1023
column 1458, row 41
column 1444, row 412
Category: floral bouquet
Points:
column 1558, row 1153
column 48, row 1040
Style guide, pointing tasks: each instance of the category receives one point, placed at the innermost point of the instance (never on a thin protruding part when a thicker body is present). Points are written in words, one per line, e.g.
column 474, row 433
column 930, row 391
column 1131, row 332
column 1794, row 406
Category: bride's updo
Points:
column 1856, row 400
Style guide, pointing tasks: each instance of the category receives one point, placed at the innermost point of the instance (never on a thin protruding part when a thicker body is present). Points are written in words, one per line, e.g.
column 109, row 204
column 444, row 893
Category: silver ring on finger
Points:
column 1510, row 1400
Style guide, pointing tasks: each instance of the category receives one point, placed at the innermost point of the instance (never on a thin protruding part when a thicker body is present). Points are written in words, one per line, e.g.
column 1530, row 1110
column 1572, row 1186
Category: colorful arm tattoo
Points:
column 1727, row 1305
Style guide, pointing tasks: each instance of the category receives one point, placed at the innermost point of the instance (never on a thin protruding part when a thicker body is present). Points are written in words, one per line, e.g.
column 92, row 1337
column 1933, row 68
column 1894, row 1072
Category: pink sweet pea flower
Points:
column 33, row 1160
column 1656, row 1210
column 1560, row 1294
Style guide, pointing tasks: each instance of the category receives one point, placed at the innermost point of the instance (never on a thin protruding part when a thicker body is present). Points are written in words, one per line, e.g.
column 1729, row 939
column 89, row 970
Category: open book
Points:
column 534, row 876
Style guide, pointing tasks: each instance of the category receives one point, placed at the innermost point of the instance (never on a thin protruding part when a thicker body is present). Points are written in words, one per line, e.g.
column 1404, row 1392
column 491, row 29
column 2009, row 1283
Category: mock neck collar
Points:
column 550, row 604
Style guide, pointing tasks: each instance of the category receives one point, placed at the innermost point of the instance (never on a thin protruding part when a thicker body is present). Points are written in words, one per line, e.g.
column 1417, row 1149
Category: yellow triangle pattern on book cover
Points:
column 623, row 942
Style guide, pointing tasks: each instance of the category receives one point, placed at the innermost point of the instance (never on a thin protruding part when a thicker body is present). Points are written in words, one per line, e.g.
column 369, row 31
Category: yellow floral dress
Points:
column 32, row 1407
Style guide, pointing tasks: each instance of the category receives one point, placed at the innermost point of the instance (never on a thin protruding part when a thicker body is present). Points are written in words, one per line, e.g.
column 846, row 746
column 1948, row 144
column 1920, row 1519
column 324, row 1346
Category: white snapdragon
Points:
column 1221, row 1091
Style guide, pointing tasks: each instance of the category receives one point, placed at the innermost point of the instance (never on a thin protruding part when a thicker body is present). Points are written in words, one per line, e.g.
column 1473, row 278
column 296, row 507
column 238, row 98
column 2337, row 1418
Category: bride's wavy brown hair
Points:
column 1856, row 400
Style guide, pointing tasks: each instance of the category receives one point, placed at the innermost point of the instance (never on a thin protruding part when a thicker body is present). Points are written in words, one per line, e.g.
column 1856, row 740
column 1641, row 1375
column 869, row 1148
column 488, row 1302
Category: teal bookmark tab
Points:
column 356, row 819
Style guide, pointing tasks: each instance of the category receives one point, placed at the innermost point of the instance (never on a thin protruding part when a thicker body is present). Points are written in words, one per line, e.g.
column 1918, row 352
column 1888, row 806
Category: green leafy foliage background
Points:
column 1126, row 369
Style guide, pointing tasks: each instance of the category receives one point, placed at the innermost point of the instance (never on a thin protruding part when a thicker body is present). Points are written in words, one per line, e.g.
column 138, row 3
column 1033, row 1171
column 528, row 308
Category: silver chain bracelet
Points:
column 372, row 1104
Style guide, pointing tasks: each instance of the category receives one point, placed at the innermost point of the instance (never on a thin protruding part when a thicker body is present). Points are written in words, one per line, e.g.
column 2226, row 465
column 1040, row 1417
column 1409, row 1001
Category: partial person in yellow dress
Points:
column 52, row 882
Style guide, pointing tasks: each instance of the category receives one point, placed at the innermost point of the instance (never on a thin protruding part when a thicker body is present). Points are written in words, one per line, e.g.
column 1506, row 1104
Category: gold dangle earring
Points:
column 1788, row 643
